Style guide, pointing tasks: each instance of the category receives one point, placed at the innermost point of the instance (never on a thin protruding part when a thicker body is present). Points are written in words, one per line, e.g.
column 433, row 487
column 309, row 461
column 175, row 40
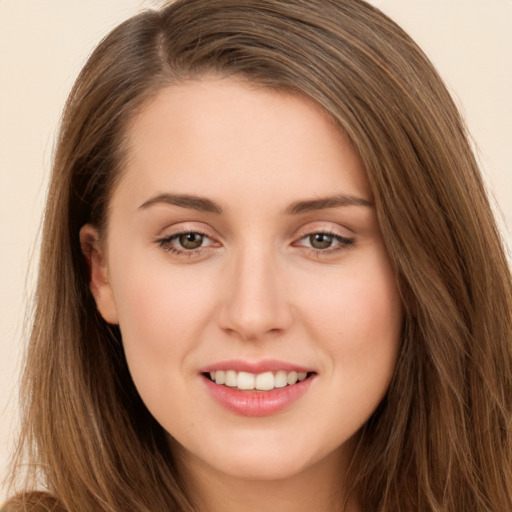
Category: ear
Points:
column 99, row 283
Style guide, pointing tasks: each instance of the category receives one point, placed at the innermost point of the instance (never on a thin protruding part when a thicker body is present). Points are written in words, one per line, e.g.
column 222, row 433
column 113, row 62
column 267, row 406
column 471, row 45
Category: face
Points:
column 244, row 264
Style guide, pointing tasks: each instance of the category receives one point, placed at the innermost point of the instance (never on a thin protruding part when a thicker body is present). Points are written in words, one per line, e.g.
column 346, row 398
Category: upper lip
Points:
column 256, row 367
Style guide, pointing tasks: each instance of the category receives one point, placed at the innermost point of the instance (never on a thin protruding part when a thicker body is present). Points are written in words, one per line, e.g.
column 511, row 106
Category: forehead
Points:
column 225, row 135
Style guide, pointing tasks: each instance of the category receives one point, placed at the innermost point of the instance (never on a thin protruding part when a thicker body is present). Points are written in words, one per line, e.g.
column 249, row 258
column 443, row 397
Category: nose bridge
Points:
column 255, row 302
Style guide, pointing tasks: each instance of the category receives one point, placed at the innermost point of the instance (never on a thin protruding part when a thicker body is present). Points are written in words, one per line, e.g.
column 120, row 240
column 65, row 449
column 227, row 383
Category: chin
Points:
column 263, row 458
column 263, row 467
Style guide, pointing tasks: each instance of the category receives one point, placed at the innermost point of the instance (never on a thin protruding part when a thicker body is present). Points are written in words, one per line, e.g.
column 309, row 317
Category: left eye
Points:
column 321, row 240
column 325, row 241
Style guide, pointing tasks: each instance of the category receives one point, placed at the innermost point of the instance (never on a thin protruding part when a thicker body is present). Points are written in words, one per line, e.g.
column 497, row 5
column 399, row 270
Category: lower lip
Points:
column 257, row 403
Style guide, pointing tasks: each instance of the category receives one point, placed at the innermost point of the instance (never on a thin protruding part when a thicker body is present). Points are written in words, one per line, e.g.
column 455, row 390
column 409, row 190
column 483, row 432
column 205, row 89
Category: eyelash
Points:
column 344, row 243
column 165, row 243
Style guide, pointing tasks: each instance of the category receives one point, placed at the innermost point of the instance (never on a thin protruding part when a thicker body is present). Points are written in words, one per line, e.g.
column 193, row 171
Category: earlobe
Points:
column 98, row 276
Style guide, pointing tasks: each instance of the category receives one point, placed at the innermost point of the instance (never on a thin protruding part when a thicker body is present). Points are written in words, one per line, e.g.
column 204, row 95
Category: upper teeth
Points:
column 261, row 381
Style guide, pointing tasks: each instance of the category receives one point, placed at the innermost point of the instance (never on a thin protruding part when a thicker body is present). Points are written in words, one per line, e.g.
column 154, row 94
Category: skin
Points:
column 257, row 288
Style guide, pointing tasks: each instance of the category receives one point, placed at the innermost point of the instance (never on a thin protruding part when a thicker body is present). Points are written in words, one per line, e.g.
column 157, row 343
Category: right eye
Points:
column 190, row 241
column 186, row 243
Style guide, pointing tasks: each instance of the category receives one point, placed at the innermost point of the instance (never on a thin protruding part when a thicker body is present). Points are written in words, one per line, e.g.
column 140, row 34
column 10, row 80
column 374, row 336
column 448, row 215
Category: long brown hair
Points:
column 442, row 438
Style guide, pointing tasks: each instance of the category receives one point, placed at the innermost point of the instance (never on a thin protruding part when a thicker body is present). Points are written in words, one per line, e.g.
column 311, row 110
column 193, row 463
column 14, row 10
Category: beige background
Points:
column 43, row 44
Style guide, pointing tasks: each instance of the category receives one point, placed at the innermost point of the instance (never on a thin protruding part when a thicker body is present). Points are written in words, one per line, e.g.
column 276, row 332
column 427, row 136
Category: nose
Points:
column 255, row 304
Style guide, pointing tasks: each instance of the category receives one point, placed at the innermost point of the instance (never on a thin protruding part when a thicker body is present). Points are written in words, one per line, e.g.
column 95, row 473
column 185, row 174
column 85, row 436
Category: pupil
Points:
column 320, row 241
column 191, row 240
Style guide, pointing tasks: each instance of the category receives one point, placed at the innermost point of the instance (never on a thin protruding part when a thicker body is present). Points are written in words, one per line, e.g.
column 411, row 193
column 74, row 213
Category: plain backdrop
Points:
column 44, row 43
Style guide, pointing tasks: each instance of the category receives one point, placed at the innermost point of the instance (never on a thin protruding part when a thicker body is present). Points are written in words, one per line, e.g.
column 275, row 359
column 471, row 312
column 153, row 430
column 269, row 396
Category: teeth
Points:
column 245, row 380
column 292, row 378
column 231, row 379
column 219, row 376
column 261, row 381
column 281, row 379
column 265, row 381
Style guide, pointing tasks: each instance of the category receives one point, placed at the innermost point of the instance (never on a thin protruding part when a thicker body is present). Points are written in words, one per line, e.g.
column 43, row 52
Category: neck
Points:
column 319, row 487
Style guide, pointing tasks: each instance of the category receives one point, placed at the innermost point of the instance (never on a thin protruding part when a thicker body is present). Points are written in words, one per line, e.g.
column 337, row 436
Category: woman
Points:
column 270, row 278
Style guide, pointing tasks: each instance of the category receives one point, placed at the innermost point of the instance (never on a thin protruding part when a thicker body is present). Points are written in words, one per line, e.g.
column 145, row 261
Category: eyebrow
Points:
column 327, row 202
column 184, row 201
column 203, row 204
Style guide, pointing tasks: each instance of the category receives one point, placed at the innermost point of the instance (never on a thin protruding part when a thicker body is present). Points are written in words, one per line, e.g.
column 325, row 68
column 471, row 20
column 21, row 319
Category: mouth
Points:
column 257, row 382
column 257, row 388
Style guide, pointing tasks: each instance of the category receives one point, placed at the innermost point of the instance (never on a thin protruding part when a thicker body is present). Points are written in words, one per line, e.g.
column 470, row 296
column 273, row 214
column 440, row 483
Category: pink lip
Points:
column 257, row 403
column 266, row 365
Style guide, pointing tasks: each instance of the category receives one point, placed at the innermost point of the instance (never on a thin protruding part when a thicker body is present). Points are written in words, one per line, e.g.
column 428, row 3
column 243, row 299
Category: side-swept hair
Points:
column 442, row 438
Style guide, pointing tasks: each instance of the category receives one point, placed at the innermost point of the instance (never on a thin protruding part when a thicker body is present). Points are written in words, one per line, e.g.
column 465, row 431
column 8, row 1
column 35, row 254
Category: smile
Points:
column 261, row 389
column 266, row 381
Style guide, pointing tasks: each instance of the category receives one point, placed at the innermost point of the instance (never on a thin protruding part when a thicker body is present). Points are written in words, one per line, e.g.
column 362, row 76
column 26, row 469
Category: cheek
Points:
column 358, row 323
column 161, row 316
column 359, row 327
column 161, row 312
column 158, row 304
column 361, row 305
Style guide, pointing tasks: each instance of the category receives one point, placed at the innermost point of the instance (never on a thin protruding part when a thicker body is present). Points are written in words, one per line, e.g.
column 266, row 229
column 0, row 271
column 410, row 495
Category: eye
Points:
column 324, row 242
column 190, row 241
column 187, row 243
column 321, row 240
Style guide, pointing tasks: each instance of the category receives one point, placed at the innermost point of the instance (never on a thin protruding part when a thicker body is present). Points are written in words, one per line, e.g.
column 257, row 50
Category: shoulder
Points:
column 35, row 501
